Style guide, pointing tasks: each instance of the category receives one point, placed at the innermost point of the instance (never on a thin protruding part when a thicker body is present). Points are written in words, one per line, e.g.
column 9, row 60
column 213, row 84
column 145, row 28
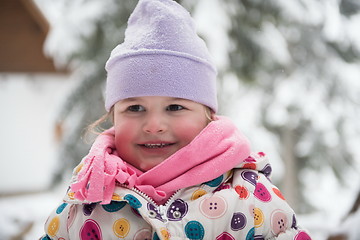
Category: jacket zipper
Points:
column 161, row 207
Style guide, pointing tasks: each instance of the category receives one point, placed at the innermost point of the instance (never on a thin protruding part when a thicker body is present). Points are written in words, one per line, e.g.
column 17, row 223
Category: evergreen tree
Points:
column 85, row 104
column 287, row 50
column 283, row 49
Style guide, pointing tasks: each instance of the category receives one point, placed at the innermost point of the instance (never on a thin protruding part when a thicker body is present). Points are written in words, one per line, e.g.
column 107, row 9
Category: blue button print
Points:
column 194, row 230
column 215, row 182
column 61, row 208
column 114, row 206
column 250, row 234
column 133, row 201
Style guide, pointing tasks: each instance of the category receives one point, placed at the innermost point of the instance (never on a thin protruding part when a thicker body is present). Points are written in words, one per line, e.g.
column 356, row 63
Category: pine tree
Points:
column 284, row 48
column 277, row 47
column 85, row 104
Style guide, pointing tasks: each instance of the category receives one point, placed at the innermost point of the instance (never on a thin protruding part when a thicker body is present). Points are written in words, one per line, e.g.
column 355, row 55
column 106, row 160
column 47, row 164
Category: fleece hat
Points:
column 161, row 56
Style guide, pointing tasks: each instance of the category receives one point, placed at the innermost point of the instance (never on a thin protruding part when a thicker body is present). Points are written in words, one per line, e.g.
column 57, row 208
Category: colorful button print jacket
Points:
column 241, row 204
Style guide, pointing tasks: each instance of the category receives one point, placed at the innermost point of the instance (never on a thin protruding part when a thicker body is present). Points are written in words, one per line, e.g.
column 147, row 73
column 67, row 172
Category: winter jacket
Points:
column 240, row 204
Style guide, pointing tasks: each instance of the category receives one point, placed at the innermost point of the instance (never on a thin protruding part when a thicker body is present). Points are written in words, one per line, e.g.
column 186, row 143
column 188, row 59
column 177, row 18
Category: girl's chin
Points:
column 147, row 165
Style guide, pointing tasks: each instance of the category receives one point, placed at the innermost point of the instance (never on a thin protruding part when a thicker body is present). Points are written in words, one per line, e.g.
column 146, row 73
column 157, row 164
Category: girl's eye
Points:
column 174, row 107
column 135, row 108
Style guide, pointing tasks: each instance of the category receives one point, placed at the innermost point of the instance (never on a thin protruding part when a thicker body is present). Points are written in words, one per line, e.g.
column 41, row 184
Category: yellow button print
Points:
column 116, row 197
column 78, row 168
column 121, row 227
column 258, row 217
column 53, row 226
column 164, row 232
column 197, row 194
column 71, row 195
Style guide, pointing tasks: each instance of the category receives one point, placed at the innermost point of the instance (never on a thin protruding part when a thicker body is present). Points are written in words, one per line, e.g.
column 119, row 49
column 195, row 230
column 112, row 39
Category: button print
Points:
column 261, row 154
column 153, row 212
column 121, row 227
column 279, row 222
column 249, row 176
column 262, row 193
column 249, row 159
column 177, row 210
column 258, row 217
column 61, row 208
column 267, row 170
column 53, row 226
column 194, row 230
column 250, row 234
column 259, row 237
column 225, row 236
column 143, row 234
column 213, row 207
column 302, row 236
column 278, row 193
column 223, row 186
column 116, row 197
column 78, row 168
column 198, row 193
column 242, row 191
column 71, row 195
column 114, row 206
column 90, row 230
column 156, row 237
column 238, row 221
column 215, row 182
column 133, row 201
column 164, row 233
column 251, row 209
column 88, row 208
column 294, row 222
column 249, row 166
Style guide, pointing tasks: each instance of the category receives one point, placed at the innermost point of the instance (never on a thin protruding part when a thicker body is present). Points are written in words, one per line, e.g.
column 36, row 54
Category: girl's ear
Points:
column 212, row 115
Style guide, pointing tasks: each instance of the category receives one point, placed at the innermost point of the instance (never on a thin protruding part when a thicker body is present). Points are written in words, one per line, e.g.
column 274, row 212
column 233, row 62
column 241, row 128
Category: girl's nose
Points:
column 154, row 123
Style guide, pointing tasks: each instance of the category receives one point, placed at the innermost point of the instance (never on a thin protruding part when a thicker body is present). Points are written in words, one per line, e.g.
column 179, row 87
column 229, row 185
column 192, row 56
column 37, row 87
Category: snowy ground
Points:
column 28, row 104
column 27, row 214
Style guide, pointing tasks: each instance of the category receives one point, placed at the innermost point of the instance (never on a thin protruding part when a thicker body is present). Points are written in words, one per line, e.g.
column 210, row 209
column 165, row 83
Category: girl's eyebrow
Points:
column 179, row 99
column 130, row 99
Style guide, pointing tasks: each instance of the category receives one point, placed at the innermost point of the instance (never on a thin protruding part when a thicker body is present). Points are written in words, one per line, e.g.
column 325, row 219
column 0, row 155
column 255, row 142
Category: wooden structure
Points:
column 23, row 30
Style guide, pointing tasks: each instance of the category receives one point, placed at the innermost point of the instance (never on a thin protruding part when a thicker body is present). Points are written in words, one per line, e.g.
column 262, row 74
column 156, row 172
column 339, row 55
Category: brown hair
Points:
column 96, row 127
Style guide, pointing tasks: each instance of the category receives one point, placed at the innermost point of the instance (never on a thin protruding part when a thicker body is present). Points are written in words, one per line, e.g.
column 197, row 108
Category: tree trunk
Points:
column 290, row 185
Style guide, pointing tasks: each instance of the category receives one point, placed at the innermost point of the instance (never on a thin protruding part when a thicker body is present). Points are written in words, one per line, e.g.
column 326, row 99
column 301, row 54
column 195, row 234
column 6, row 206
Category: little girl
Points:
column 170, row 168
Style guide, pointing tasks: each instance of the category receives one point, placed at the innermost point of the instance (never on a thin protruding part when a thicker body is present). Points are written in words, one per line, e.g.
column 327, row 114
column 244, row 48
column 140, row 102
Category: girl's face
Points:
column 150, row 129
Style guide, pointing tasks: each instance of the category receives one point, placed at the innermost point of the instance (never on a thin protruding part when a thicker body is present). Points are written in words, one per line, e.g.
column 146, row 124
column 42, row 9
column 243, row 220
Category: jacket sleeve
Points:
column 57, row 222
column 273, row 217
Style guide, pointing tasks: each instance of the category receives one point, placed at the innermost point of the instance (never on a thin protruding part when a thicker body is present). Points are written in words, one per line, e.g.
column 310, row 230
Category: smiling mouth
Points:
column 156, row 145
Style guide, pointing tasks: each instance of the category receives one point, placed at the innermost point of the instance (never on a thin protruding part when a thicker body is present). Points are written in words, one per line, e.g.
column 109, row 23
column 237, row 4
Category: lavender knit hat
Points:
column 161, row 56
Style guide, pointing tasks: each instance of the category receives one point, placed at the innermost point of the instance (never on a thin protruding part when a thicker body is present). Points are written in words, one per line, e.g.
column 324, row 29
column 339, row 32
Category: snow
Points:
column 29, row 104
column 70, row 21
column 18, row 212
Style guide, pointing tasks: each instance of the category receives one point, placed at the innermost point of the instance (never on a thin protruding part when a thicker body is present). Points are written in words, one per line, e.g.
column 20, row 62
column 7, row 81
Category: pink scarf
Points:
column 216, row 150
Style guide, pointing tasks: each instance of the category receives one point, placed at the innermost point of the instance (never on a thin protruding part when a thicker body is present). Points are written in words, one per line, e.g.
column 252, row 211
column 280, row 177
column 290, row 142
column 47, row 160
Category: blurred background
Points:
column 289, row 76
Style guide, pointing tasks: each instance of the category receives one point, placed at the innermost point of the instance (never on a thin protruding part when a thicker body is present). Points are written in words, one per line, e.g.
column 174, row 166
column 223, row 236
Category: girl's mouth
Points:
column 156, row 145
